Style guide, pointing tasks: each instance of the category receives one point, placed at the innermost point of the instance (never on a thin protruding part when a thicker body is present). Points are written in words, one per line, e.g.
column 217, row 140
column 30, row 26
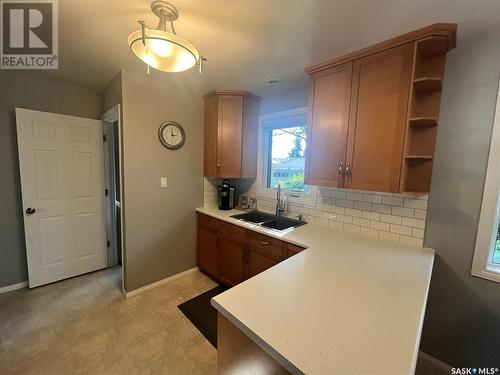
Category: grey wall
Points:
column 113, row 92
column 24, row 91
column 462, row 324
column 160, row 224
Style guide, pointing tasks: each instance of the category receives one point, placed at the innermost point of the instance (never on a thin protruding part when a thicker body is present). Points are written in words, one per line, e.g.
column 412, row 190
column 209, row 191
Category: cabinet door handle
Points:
column 341, row 171
column 218, row 164
column 265, row 243
column 348, row 172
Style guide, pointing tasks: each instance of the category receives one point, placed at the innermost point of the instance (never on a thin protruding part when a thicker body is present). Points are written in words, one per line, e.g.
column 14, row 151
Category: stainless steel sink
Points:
column 282, row 223
column 269, row 220
column 254, row 217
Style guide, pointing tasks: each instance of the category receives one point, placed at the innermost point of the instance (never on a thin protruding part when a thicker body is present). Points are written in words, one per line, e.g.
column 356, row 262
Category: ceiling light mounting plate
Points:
column 164, row 9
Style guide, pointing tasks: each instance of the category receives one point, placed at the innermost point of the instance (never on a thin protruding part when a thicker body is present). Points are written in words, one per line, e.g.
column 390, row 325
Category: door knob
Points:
column 30, row 211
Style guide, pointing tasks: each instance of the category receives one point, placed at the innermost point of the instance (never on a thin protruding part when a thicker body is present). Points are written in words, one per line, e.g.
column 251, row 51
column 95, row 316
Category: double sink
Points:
column 269, row 220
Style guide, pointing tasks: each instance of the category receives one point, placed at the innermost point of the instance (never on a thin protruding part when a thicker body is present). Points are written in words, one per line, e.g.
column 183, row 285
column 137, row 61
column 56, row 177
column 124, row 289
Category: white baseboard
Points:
column 430, row 360
column 10, row 288
column 156, row 284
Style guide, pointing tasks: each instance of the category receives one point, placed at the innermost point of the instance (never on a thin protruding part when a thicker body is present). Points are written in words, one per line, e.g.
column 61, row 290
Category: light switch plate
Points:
column 163, row 182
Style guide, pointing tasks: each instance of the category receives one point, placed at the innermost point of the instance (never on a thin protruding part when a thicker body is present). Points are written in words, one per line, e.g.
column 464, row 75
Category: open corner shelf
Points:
column 433, row 46
column 427, row 84
column 422, row 121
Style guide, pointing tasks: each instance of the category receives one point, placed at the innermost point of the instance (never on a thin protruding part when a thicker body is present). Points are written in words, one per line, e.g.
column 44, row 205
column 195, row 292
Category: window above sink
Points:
column 282, row 147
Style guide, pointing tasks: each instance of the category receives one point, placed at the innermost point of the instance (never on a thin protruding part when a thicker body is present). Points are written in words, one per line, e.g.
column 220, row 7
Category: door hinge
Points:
column 104, row 138
column 108, row 243
column 106, row 192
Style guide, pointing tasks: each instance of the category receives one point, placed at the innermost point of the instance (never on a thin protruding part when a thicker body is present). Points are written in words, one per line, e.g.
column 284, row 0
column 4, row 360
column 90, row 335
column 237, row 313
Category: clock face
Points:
column 171, row 135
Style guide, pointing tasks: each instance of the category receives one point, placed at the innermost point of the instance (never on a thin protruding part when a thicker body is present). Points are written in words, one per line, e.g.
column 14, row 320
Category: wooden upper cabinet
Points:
column 328, row 123
column 374, row 113
column 377, row 121
column 230, row 135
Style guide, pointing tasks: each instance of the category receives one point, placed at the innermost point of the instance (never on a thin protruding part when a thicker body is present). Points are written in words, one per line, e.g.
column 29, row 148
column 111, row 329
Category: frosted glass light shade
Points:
column 163, row 51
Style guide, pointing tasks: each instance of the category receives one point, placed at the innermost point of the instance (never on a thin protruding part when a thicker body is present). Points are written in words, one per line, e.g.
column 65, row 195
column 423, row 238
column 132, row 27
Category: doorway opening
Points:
column 113, row 187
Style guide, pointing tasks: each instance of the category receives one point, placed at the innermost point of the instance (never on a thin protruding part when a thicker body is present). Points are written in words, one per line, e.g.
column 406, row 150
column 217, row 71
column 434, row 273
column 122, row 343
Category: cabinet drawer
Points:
column 208, row 221
column 291, row 249
column 232, row 232
column 264, row 244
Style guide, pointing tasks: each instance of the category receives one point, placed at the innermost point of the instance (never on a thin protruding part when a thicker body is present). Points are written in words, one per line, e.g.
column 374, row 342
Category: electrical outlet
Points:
column 163, row 182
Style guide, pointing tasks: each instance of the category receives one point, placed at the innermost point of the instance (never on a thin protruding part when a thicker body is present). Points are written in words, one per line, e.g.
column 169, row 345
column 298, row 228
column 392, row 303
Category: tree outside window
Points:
column 287, row 158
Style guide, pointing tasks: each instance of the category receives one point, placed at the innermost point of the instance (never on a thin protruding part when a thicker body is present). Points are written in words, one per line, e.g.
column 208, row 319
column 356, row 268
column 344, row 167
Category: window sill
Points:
column 488, row 274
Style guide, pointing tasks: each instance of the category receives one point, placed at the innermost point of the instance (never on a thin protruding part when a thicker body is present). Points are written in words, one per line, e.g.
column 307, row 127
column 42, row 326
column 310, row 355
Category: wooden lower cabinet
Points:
column 232, row 262
column 290, row 250
column 208, row 250
column 258, row 261
column 232, row 254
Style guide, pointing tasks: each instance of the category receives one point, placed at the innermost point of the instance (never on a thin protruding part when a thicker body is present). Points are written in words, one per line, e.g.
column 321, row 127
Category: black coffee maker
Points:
column 225, row 196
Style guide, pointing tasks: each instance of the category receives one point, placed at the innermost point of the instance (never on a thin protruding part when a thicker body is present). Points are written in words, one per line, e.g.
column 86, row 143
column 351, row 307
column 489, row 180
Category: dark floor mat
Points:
column 201, row 313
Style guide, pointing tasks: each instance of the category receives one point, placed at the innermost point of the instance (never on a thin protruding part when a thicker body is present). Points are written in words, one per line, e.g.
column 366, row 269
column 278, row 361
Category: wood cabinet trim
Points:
column 438, row 29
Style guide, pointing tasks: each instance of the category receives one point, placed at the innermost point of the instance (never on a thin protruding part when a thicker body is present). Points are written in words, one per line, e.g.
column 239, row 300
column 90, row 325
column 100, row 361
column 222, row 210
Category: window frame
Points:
column 482, row 265
column 279, row 120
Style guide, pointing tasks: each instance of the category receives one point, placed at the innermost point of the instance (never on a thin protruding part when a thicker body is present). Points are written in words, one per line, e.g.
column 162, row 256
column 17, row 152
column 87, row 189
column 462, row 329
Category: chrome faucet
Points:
column 280, row 205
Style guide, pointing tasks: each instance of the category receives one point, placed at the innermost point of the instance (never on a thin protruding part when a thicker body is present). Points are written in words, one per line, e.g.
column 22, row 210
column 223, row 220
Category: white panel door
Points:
column 62, row 183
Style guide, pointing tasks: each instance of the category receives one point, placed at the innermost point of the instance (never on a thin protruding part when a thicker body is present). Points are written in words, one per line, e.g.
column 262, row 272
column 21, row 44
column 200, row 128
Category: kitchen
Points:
column 328, row 213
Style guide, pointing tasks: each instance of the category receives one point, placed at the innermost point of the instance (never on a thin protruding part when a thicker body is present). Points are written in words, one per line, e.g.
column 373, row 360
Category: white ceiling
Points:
column 247, row 43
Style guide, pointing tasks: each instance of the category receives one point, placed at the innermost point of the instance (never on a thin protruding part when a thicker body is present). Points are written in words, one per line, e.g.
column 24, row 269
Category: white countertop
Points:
column 349, row 304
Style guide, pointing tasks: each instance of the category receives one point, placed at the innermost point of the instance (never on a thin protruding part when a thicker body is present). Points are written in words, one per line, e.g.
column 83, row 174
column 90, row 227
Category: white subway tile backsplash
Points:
column 354, row 196
column 338, row 194
column 345, row 203
column 388, row 216
column 400, row 229
column 393, row 219
column 330, row 215
column 403, row 211
column 363, row 206
column 344, row 218
column 361, row 222
column 420, row 214
column 353, row 212
column 416, row 203
column 419, row 233
column 392, row 201
column 414, row 223
column 380, row 225
column 383, row 209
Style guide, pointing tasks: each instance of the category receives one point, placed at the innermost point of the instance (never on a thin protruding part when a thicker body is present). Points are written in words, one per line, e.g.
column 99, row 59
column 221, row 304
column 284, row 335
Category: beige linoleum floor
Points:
column 85, row 326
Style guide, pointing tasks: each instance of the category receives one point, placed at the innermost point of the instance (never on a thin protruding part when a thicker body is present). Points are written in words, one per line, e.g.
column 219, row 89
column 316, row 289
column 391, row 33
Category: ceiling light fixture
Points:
column 163, row 50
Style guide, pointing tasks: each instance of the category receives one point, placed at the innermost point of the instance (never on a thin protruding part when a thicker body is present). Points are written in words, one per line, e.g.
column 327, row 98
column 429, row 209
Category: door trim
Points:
column 113, row 115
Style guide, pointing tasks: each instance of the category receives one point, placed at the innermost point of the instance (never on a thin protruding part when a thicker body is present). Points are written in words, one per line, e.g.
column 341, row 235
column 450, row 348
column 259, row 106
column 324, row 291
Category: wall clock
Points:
column 171, row 135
